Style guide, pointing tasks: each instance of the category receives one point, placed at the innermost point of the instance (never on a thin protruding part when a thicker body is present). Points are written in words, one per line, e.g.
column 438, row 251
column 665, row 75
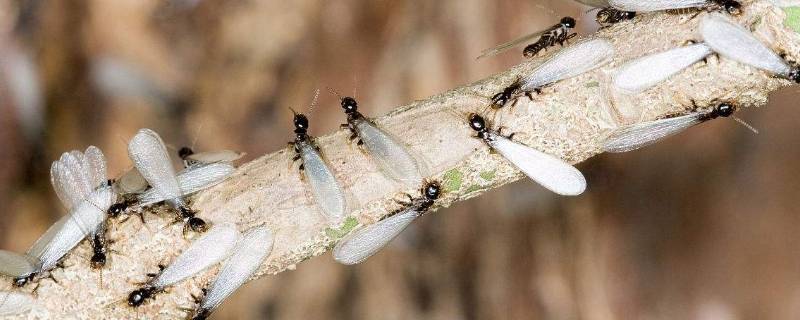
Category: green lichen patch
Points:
column 488, row 175
column 592, row 84
column 452, row 180
column 473, row 188
column 793, row 18
column 346, row 227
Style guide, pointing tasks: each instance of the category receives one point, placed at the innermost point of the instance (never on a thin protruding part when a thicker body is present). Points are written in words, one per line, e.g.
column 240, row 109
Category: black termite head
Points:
column 733, row 7
column 476, row 122
column 432, row 190
column 118, row 208
column 794, row 74
column 349, row 105
column 20, row 282
column 568, row 22
column 300, row 126
column 724, row 109
column 185, row 152
column 193, row 222
column 139, row 296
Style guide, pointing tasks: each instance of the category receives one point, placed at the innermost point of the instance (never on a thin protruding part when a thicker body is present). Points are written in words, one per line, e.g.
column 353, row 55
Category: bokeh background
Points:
column 701, row 226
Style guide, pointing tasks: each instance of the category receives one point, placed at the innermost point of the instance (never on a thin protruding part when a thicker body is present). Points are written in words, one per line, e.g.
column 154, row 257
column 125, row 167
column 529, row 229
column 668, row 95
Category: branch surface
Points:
column 569, row 120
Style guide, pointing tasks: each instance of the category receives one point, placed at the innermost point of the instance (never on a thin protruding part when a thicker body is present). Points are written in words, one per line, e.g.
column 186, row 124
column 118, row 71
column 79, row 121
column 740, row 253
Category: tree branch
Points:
column 569, row 120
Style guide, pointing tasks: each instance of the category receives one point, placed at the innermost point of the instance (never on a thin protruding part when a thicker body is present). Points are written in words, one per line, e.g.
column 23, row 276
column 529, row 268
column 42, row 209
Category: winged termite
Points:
column 214, row 246
column 365, row 242
column 556, row 34
column 569, row 62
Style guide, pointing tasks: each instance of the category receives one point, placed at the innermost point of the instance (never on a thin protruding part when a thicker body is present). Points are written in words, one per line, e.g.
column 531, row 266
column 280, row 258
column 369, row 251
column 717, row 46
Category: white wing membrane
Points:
column 150, row 157
column 635, row 136
column 390, row 155
column 569, row 62
column 248, row 254
column 191, row 180
column 83, row 219
column 551, row 172
column 646, row 72
column 324, row 187
column 365, row 242
column 595, row 3
column 15, row 265
column 733, row 41
column 513, row 43
column 15, row 303
column 96, row 163
column 215, row 156
column 655, row 5
column 212, row 247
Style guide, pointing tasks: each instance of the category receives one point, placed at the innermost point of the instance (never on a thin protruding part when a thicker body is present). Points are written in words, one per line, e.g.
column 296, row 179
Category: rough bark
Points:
column 570, row 120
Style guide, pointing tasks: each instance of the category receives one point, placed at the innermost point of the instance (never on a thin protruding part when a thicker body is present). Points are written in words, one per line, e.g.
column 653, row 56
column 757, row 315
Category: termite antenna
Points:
column 745, row 124
column 313, row 102
column 334, row 92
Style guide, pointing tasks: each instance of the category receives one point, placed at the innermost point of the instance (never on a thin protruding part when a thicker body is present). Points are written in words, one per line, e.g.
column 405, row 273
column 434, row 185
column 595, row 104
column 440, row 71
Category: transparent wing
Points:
column 365, row 242
column 248, row 254
column 391, row 156
column 655, row 5
column 646, row 72
column 324, row 187
column 551, row 172
column 212, row 247
column 45, row 239
column 595, row 3
column 215, row 156
column 635, row 136
column 15, row 265
column 150, row 157
column 530, row 38
column 569, row 62
column 83, row 219
column 15, row 303
column 70, row 181
column 732, row 41
column 191, row 180
column 96, row 163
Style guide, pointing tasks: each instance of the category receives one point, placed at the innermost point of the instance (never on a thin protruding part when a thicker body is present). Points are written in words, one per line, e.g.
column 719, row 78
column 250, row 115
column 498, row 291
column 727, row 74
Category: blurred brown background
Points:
column 701, row 226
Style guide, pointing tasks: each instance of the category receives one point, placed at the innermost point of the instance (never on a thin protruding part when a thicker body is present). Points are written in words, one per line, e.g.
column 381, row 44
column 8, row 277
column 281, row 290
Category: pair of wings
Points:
column 569, row 62
column 656, row 5
column 190, row 180
column 150, row 157
column 250, row 251
column 733, row 41
column 325, row 188
column 645, row 72
column 214, row 246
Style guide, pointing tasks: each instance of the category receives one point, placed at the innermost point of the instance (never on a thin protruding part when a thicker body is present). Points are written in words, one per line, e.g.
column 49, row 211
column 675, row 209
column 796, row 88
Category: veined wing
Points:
column 191, row 180
column 550, row 172
column 513, row 43
column 212, row 247
column 83, row 219
column 95, row 166
column 655, row 5
column 226, row 156
column 45, row 239
column 15, row 303
column 595, row 3
column 391, row 156
column 646, row 72
column 635, row 136
column 248, row 254
column 569, row 62
column 324, row 187
column 16, row 265
column 733, row 41
column 70, row 181
column 150, row 157
column 365, row 242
